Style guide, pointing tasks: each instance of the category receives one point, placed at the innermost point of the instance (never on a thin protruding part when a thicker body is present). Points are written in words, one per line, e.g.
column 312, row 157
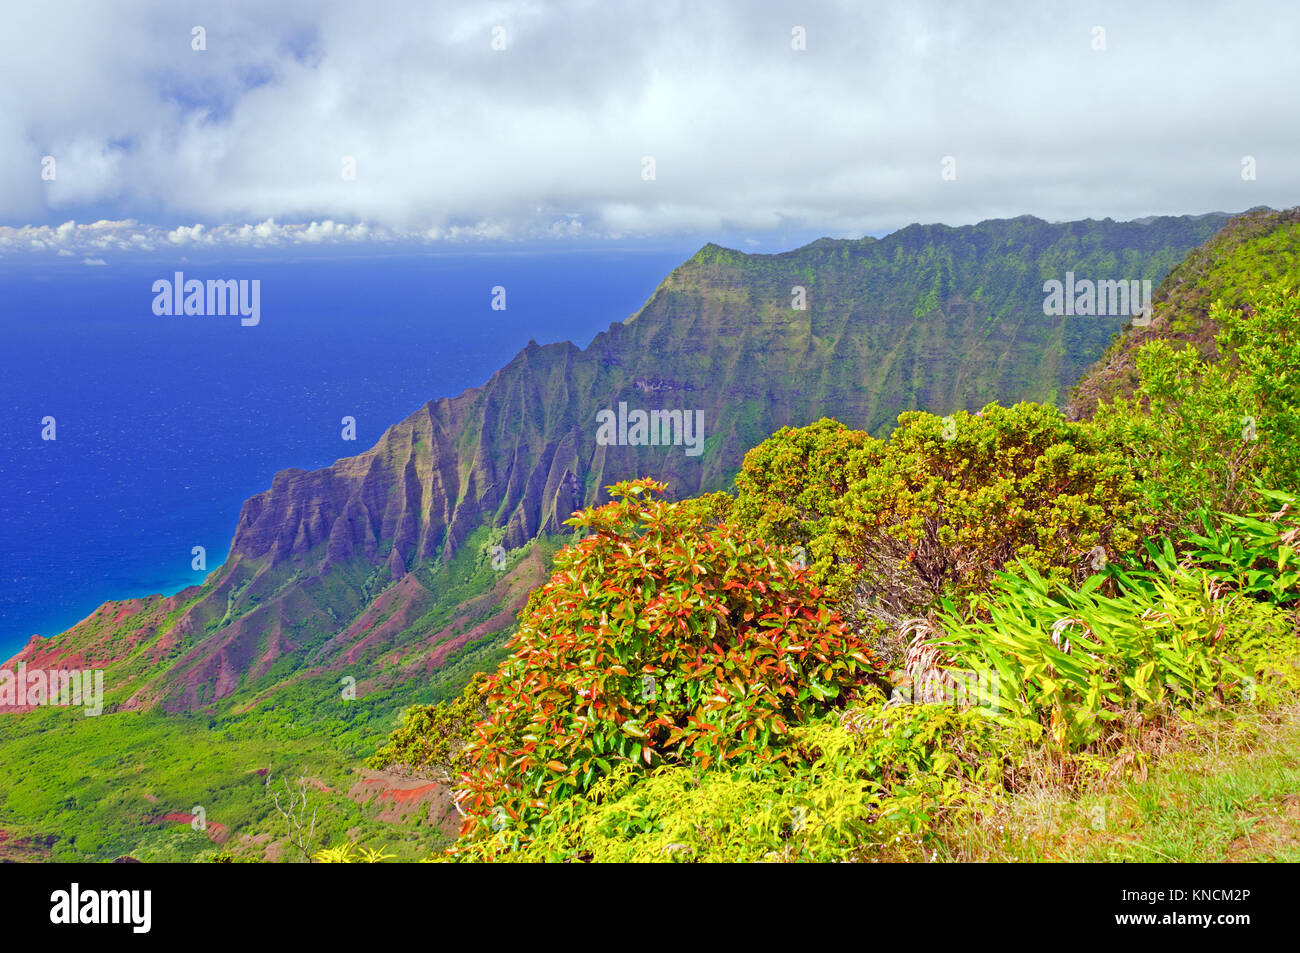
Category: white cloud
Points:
column 130, row 235
column 455, row 141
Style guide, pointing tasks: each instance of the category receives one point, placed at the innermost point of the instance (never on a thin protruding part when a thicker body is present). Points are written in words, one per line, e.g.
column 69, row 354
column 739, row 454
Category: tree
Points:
column 294, row 811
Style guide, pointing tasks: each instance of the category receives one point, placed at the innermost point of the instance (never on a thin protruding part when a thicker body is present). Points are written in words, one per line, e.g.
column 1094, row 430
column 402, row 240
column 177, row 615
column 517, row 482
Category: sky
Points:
column 541, row 122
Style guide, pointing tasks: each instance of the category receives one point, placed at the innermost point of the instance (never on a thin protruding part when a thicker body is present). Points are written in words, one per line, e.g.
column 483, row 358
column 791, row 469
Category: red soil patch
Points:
column 400, row 799
column 24, row 849
column 217, row 833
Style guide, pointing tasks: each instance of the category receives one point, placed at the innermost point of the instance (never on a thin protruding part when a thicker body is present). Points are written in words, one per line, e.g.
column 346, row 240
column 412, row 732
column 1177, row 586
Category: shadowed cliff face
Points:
column 339, row 566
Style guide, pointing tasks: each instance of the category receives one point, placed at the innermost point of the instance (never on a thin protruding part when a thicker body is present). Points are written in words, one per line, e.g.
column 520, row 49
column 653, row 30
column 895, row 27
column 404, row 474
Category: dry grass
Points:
column 1221, row 788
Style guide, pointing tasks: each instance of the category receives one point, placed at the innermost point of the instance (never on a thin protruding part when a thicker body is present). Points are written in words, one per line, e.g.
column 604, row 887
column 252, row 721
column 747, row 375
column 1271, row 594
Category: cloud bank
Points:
column 368, row 122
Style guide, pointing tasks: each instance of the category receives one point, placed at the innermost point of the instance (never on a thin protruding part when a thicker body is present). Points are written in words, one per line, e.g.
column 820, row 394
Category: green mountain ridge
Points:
column 342, row 569
column 1253, row 249
column 214, row 692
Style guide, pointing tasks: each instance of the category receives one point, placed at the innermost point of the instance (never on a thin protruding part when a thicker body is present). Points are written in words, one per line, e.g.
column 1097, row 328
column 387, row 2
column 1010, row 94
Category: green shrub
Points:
column 1083, row 668
column 1200, row 433
column 848, row 787
column 432, row 739
column 890, row 527
column 661, row 638
column 1264, row 340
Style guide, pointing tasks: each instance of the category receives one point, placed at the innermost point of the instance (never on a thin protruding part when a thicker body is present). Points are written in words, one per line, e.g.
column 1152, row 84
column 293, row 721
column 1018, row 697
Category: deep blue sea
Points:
column 164, row 425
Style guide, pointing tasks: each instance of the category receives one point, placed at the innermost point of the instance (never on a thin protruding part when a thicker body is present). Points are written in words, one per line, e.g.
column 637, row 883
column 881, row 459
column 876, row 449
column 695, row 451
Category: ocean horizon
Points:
column 164, row 425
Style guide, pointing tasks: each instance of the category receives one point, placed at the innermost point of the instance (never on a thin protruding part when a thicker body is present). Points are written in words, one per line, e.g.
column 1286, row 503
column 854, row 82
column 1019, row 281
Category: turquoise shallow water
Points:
column 164, row 425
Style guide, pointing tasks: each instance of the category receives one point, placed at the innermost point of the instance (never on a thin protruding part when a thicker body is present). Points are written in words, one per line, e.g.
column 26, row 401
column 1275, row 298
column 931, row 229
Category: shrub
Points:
column 432, row 739
column 937, row 510
column 1256, row 555
column 661, row 638
column 1078, row 666
column 1264, row 339
column 847, row 787
column 1183, row 433
column 1197, row 432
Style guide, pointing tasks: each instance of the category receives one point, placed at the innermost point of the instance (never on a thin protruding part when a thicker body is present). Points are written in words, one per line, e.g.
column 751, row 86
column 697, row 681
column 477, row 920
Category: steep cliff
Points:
column 383, row 563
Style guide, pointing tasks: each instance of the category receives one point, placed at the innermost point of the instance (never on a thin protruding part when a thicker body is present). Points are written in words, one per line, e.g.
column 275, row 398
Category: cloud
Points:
column 129, row 235
column 93, row 261
column 451, row 139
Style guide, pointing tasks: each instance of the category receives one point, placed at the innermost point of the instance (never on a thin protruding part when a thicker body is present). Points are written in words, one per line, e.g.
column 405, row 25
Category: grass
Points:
column 1221, row 790
column 93, row 789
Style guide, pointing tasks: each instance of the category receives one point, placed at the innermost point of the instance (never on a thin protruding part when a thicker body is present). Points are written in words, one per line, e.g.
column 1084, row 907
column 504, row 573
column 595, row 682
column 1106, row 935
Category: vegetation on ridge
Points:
column 1129, row 580
column 1053, row 608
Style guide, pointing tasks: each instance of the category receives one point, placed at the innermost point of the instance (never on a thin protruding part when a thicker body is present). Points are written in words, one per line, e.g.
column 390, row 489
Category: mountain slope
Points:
column 1253, row 249
column 380, row 564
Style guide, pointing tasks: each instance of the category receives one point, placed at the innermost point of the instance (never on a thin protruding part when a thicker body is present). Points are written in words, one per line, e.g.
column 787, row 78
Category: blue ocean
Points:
column 164, row 425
